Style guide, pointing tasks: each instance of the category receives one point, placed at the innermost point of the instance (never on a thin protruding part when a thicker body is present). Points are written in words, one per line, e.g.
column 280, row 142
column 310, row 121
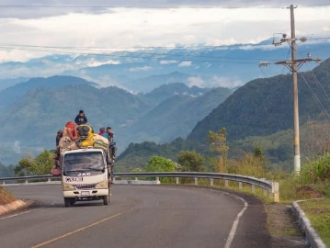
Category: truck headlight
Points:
column 67, row 187
column 102, row 185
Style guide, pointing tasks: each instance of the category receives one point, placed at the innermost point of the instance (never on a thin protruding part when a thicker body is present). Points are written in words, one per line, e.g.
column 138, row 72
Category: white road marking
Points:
column 235, row 224
column 14, row 215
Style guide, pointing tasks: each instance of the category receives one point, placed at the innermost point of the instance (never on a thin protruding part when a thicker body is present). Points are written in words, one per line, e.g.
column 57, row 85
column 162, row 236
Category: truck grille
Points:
column 85, row 186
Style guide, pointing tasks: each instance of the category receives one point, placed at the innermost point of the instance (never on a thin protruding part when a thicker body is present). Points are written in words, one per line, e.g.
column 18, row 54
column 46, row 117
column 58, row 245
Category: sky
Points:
column 105, row 26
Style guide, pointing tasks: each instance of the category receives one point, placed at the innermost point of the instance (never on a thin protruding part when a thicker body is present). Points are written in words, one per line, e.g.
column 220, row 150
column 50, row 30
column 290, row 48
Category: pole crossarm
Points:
column 299, row 62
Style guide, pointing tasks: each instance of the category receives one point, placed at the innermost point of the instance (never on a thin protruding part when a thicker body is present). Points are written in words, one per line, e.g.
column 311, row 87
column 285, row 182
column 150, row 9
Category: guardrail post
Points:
column 253, row 188
column 211, row 182
column 276, row 191
column 177, row 180
column 196, row 181
column 226, row 183
column 157, row 180
column 49, row 180
column 114, row 179
column 264, row 192
column 136, row 178
column 240, row 185
column 26, row 181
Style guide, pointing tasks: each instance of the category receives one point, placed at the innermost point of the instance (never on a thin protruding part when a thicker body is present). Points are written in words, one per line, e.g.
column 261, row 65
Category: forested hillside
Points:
column 264, row 106
column 33, row 112
column 260, row 114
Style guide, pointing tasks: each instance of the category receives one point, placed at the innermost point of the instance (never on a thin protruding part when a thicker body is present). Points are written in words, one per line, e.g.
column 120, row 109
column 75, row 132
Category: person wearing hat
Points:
column 81, row 118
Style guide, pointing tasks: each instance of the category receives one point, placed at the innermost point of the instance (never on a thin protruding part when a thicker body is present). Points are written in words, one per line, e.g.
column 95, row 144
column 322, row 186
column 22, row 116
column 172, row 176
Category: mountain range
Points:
column 33, row 111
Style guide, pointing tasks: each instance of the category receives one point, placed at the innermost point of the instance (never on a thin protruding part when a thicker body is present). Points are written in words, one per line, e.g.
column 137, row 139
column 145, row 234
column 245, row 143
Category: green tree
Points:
column 161, row 164
column 39, row 165
column 219, row 146
column 258, row 152
column 191, row 161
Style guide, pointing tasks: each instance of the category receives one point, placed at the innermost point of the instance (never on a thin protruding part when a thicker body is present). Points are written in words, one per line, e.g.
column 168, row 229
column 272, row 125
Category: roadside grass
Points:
column 312, row 183
column 5, row 196
column 318, row 212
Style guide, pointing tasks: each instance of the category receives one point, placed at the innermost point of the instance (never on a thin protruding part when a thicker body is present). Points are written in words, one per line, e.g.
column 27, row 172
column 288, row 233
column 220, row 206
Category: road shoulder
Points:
column 16, row 205
column 283, row 226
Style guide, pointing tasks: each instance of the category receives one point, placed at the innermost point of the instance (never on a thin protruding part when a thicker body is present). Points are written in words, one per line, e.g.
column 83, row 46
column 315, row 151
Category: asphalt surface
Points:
column 138, row 216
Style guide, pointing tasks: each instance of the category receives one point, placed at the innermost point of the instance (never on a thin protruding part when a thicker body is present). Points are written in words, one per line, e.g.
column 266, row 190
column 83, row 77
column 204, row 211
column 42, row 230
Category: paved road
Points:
column 138, row 216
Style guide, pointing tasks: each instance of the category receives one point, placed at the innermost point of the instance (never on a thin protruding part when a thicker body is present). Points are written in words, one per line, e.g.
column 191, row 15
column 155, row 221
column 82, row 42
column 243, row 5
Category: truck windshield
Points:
column 83, row 161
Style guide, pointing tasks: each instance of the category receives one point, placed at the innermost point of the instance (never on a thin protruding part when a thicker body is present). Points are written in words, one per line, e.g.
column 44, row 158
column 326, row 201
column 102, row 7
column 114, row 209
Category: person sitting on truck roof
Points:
column 103, row 133
column 110, row 134
column 81, row 118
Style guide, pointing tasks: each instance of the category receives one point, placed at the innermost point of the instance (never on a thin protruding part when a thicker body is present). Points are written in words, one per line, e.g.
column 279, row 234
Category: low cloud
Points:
column 143, row 68
column 167, row 62
column 95, row 63
column 224, row 82
column 17, row 147
column 196, row 81
column 185, row 64
column 213, row 82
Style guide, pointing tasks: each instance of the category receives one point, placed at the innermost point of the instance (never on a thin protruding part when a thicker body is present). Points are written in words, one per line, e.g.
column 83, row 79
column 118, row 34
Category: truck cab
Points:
column 85, row 176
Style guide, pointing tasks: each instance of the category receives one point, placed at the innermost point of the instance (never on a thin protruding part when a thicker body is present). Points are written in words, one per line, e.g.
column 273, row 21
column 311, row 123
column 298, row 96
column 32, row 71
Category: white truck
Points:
column 85, row 176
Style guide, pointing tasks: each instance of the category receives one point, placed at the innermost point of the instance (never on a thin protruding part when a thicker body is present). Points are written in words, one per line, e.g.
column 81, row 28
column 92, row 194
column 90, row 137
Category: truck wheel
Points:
column 67, row 202
column 106, row 200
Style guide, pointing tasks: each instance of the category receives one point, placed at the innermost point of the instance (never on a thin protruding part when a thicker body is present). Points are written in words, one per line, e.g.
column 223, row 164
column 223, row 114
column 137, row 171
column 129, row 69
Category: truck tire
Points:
column 106, row 200
column 67, row 202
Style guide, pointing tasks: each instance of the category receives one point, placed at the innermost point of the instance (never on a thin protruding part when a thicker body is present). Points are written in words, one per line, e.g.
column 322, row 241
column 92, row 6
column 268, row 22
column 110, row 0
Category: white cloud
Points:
column 94, row 63
column 196, row 81
column 124, row 28
column 214, row 81
column 17, row 147
column 326, row 28
column 167, row 62
column 143, row 68
column 18, row 55
column 224, row 82
column 185, row 64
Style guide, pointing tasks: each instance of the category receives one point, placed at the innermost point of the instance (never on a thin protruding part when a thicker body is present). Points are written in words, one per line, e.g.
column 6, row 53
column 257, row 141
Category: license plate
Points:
column 84, row 192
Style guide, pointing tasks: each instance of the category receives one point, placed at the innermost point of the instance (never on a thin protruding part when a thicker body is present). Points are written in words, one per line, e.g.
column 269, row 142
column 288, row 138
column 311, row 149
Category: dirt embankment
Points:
column 6, row 197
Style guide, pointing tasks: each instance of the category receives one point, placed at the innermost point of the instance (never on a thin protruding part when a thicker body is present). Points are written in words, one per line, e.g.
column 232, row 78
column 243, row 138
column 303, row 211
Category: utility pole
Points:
column 296, row 137
column 294, row 64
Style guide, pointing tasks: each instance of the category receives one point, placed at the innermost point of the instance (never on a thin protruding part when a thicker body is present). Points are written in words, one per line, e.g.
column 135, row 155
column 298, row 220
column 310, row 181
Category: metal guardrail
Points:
column 270, row 186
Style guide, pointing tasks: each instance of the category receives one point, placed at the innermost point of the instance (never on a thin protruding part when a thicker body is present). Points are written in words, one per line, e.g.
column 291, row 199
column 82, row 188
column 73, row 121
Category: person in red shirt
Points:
column 102, row 131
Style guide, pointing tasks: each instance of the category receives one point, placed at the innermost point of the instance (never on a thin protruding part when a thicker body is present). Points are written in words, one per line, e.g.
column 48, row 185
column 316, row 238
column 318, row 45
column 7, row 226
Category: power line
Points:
column 127, row 56
column 321, row 86
column 137, row 6
column 137, row 49
column 142, row 53
column 315, row 95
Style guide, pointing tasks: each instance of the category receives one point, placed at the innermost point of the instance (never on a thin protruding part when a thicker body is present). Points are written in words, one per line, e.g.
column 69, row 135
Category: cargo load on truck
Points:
column 76, row 137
